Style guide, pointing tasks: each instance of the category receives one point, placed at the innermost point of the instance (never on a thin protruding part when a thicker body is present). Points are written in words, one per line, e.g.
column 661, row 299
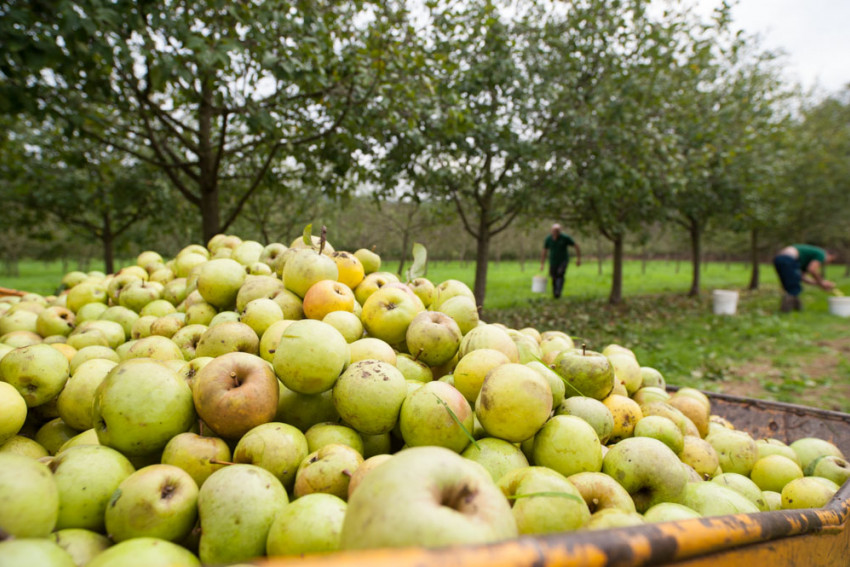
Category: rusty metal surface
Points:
column 786, row 422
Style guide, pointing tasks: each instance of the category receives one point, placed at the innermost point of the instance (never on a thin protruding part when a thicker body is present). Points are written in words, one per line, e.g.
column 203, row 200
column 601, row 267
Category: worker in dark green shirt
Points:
column 556, row 245
column 801, row 263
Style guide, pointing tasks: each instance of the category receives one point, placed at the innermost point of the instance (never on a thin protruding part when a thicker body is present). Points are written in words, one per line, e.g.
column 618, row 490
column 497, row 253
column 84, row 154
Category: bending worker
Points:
column 801, row 263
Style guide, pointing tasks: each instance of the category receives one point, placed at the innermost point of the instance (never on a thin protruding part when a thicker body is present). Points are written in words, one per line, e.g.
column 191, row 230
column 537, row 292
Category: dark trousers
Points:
column 558, row 274
column 789, row 274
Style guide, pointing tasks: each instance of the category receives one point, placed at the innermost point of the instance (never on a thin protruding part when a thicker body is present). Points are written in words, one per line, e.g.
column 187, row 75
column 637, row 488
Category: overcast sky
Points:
column 813, row 33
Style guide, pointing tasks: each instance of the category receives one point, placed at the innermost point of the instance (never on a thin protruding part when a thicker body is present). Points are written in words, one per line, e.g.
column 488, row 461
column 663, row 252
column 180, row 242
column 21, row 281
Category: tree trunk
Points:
column 696, row 258
column 107, row 239
column 754, row 259
column 617, row 277
column 482, row 253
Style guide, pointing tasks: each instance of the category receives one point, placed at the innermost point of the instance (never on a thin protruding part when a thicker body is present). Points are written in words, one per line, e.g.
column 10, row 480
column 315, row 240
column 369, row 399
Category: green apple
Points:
column 744, row 486
column 808, row 449
column 650, row 377
column 84, row 293
column 198, row 455
column 371, row 261
column 141, row 327
column 543, row 501
column 586, row 372
column 347, row 323
column 29, row 496
column 277, row 447
column 92, row 352
column 311, row 524
column 610, row 518
column 388, row 312
column 154, row 346
column 601, row 492
column 158, row 501
column 306, row 267
column 326, row 433
column 775, row 447
column 663, row 429
column 666, row 410
column 187, row 338
column 201, row 313
column 272, row 254
column 260, row 313
column 27, row 552
column 327, row 470
column 669, row 512
column 87, row 437
column 413, row 369
column 175, row 290
column 271, row 338
column 436, row 414
column 694, row 409
column 370, row 348
column 713, row 499
column 140, row 406
column 305, row 410
column 81, row 545
column 569, row 445
column 54, row 434
column 55, row 320
column 227, row 337
column 833, row 468
column 13, row 411
column 463, row 310
column 219, row 281
column 311, row 355
column 145, row 552
column 735, row 449
column 700, row 455
column 257, row 287
column 248, row 252
column 773, row 499
column 514, row 402
column 773, row 472
column 236, row 392
column 592, row 411
column 626, row 413
column 498, row 456
column 650, row 394
column 86, row 477
column 489, row 337
column 290, row 304
column 808, row 492
column 556, row 383
column 446, row 290
column 627, row 370
column 137, row 294
column 37, row 372
column 426, row 496
column 433, row 337
column 647, row 469
column 123, row 316
column 74, row 403
column 369, row 396
column 158, row 308
column 471, row 370
column 237, row 506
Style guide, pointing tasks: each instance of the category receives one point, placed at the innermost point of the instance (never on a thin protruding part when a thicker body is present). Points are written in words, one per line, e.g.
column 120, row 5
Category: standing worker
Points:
column 557, row 244
column 801, row 263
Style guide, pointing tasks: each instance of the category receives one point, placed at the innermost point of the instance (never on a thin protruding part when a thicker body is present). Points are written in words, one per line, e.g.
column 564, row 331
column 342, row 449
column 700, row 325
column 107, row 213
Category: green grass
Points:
column 798, row 357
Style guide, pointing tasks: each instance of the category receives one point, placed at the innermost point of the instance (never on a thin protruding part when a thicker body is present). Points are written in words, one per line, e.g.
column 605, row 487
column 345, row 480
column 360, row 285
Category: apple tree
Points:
column 202, row 89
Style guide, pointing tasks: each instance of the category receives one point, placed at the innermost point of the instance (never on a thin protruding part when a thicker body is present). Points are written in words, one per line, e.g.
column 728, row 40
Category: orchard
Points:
column 240, row 401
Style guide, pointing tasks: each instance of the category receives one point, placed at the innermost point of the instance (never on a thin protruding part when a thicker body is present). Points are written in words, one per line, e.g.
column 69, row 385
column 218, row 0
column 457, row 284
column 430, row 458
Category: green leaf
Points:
column 420, row 260
column 456, row 420
column 546, row 494
column 308, row 235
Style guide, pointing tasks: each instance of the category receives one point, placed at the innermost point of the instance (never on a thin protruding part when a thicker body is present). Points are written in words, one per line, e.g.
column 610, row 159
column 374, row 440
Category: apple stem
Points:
column 217, row 462
column 347, row 473
column 418, row 354
column 323, row 239
column 201, row 428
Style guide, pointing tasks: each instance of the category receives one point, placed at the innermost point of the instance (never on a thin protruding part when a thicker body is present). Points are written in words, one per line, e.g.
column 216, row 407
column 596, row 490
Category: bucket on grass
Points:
column 839, row 305
column 538, row 284
column 725, row 301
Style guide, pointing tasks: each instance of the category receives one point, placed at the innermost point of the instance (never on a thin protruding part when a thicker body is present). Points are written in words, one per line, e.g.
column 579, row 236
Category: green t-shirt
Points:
column 808, row 253
column 558, row 253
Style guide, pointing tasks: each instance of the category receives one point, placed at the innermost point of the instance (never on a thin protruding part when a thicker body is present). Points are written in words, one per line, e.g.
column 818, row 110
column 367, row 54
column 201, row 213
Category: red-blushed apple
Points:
column 310, row 356
column 544, row 501
column 236, row 392
column 514, row 402
column 327, row 296
column 426, row 496
column 140, row 406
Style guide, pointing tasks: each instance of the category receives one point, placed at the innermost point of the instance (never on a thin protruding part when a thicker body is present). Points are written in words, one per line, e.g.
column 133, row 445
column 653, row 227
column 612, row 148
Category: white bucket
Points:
column 839, row 306
column 538, row 284
column 725, row 302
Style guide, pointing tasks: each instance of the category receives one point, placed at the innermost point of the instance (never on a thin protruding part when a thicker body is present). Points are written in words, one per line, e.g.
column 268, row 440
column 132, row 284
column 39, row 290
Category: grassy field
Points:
column 798, row 357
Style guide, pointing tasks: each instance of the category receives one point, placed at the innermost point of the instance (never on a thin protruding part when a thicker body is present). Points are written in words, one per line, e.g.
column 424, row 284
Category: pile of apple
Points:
column 240, row 400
